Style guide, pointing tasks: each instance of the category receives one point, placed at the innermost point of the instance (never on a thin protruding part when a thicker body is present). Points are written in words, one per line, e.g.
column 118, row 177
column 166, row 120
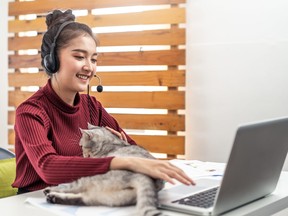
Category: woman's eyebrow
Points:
column 83, row 51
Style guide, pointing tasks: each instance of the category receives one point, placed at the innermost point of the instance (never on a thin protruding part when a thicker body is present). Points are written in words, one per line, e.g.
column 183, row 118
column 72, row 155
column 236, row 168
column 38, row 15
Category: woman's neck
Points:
column 67, row 97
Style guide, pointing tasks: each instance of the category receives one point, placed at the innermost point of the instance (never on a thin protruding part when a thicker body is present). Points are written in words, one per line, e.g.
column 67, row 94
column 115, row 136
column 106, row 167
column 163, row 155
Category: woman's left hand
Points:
column 159, row 169
column 121, row 134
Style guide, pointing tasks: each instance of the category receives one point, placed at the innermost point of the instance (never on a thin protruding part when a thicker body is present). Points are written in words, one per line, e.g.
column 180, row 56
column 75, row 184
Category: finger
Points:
column 108, row 128
column 183, row 178
column 123, row 136
column 114, row 132
column 167, row 178
column 180, row 175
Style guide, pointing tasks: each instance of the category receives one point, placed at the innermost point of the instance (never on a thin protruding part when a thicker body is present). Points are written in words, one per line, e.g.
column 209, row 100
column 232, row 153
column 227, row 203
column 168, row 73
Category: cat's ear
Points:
column 82, row 130
column 90, row 126
column 89, row 134
column 86, row 132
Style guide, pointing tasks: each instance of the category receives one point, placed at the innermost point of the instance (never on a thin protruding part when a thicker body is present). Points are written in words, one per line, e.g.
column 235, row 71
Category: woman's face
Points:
column 78, row 63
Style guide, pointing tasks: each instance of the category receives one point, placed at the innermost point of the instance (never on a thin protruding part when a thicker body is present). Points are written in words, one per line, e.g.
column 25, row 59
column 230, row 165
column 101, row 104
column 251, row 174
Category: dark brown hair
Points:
column 71, row 31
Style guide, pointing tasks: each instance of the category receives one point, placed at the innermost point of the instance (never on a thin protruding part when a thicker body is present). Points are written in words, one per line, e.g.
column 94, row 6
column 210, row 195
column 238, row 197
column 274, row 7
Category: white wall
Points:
column 237, row 70
column 3, row 72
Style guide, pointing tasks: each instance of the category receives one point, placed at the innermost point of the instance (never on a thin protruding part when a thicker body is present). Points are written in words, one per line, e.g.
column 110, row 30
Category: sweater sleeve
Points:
column 37, row 158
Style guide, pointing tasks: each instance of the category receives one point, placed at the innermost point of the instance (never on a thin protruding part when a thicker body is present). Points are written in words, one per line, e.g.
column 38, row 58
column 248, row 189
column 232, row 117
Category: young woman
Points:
column 47, row 124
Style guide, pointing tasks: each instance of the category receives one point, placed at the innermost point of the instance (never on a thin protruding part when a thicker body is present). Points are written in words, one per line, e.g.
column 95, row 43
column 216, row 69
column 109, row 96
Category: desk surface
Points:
column 277, row 201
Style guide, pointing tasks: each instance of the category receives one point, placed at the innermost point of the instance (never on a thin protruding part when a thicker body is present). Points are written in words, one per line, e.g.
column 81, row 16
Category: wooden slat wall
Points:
column 166, row 36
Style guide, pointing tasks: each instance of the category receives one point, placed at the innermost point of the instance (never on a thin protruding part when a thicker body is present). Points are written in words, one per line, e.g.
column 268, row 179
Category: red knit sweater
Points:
column 47, row 139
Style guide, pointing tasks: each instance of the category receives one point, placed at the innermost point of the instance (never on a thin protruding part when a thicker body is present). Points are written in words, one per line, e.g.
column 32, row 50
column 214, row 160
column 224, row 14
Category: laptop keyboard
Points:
column 203, row 199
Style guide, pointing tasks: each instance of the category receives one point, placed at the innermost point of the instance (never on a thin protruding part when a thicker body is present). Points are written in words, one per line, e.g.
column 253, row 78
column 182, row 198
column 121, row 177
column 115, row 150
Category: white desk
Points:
column 277, row 201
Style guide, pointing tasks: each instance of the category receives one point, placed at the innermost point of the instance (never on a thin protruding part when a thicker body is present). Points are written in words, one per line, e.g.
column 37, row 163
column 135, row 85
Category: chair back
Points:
column 5, row 153
column 7, row 173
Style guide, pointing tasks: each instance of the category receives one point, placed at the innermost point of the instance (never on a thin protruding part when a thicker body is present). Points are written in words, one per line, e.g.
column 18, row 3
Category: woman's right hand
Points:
column 161, row 169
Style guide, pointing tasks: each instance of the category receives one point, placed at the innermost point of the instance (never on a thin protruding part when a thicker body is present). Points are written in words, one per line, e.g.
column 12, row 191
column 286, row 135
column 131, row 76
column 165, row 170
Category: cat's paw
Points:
column 159, row 184
column 55, row 198
column 47, row 191
column 51, row 198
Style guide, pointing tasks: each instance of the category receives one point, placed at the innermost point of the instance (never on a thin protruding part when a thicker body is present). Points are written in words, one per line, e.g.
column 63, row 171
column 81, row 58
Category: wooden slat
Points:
column 27, row 79
column 162, row 57
column 140, row 121
column 154, row 100
column 23, row 43
column 149, row 37
column 164, row 16
column 24, row 61
column 162, row 144
column 133, row 78
column 157, row 144
column 11, row 137
column 11, row 117
column 43, row 6
column 152, row 122
column 141, row 38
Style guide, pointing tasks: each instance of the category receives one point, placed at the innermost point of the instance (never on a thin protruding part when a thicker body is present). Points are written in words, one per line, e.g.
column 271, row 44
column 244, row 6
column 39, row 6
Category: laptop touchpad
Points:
column 200, row 185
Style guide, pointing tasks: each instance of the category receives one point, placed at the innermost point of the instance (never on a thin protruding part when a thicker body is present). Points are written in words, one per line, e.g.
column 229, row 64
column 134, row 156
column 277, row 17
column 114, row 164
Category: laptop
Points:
column 252, row 172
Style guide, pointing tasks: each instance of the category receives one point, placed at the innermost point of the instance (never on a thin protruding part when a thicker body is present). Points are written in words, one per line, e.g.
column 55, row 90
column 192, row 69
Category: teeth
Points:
column 82, row 76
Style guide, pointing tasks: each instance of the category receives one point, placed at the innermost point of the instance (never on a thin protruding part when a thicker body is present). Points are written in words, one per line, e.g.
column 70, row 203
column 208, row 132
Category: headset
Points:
column 51, row 61
column 51, row 64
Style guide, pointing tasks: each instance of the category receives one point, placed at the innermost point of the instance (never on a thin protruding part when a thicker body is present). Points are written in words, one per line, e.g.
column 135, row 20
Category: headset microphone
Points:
column 99, row 87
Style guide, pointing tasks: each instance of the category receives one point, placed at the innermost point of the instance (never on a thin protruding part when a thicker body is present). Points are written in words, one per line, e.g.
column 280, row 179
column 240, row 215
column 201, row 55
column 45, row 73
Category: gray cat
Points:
column 114, row 188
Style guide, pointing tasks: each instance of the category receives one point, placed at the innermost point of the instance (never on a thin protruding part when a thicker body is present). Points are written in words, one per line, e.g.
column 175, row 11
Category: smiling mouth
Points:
column 81, row 76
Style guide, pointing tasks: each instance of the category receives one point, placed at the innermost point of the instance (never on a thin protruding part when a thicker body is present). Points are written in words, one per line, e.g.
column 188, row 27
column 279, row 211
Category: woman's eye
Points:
column 94, row 61
column 79, row 57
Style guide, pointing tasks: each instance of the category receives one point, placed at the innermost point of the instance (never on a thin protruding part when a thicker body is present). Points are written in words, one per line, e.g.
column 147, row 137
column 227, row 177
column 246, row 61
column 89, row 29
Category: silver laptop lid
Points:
column 254, row 165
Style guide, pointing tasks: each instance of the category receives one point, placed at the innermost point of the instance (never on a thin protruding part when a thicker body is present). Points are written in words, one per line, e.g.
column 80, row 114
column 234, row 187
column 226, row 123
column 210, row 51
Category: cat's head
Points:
column 95, row 139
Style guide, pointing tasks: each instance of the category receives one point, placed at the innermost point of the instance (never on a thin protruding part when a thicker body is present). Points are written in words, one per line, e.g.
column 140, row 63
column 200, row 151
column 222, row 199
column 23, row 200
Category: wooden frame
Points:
column 167, row 39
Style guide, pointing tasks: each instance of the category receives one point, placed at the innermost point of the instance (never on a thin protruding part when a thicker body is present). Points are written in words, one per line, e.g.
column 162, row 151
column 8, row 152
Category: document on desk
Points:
column 67, row 210
column 200, row 169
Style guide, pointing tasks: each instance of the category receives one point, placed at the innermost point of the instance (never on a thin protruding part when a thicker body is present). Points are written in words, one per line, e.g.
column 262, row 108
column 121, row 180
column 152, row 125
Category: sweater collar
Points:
column 58, row 102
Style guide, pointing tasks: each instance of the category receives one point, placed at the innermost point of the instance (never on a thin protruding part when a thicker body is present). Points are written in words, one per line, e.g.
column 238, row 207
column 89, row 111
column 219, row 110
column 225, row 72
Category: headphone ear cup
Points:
column 50, row 63
column 56, row 62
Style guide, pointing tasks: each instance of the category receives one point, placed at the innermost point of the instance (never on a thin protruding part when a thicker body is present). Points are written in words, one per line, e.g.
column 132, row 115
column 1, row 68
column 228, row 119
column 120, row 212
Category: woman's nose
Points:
column 88, row 66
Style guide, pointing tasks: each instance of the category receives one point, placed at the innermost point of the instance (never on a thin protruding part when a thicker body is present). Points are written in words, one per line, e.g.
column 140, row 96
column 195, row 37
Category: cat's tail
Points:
column 146, row 196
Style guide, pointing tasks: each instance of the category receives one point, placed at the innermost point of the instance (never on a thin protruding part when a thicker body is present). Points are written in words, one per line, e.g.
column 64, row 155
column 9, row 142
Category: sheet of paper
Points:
column 200, row 169
column 66, row 210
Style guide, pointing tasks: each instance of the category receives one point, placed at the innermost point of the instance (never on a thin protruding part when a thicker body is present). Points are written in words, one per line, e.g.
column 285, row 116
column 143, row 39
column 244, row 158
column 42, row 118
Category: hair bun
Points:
column 57, row 17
